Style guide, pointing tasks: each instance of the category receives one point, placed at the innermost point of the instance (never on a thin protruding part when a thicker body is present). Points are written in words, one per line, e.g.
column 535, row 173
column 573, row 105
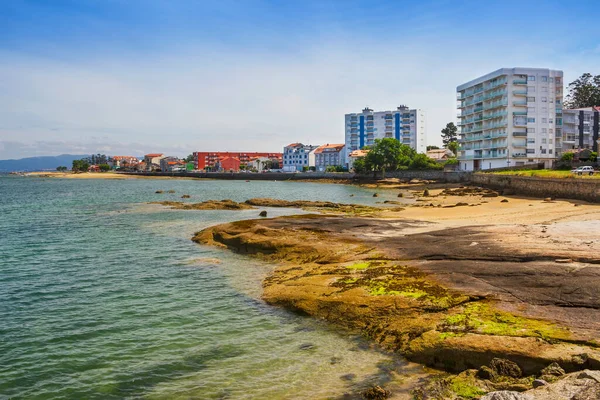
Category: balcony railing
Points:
column 520, row 82
column 520, row 92
column 520, row 134
column 520, row 103
column 519, row 112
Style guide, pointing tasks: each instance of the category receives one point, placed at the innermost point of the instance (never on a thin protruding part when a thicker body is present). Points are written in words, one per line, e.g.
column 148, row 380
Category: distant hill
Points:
column 39, row 163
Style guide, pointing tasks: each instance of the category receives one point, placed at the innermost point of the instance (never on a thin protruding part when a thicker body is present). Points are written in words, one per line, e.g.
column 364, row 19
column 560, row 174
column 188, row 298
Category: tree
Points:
column 189, row 158
column 449, row 134
column 567, row 157
column 432, row 148
column 421, row 161
column 80, row 165
column 453, row 147
column 104, row 167
column 584, row 92
column 359, row 166
column 61, row 168
column 388, row 154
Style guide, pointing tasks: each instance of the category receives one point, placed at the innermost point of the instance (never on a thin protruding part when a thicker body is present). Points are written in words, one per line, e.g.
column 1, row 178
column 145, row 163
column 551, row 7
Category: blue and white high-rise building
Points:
column 406, row 125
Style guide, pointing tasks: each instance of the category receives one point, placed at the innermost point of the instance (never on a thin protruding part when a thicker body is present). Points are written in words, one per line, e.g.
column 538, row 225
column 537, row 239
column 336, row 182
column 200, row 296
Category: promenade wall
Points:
column 441, row 176
column 574, row 188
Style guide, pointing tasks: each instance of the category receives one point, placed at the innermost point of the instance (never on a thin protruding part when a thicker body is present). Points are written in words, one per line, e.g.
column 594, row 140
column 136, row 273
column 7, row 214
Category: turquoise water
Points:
column 103, row 296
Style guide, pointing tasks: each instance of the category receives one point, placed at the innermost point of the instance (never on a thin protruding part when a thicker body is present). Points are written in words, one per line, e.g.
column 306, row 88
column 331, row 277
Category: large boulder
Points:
column 504, row 367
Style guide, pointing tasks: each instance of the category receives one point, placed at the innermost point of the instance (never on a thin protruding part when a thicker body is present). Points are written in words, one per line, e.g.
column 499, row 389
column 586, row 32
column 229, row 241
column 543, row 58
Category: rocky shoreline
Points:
column 448, row 294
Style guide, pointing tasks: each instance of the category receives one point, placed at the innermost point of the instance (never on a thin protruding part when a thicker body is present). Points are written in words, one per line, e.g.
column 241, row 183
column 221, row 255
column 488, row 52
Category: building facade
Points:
column 296, row 156
column 581, row 128
column 172, row 164
column 406, row 125
column 330, row 155
column 152, row 161
column 510, row 117
column 230, row 161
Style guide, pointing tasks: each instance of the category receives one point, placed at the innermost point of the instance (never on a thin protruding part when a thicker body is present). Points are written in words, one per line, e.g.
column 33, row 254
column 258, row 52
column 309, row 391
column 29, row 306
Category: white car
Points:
column 587, row 170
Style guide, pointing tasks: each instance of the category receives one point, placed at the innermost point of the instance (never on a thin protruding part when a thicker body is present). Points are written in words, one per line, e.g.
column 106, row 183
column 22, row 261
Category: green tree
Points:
column 567, row 157
column 453, row 147
column 360, row 166
column 388, row 154
column 584, row 92
column 189, row 158
column 594, row 156
column 432, row 148
column 104, row 167
column 449, row 134
column 421, row 161
column 80, row 165
column 61, row 168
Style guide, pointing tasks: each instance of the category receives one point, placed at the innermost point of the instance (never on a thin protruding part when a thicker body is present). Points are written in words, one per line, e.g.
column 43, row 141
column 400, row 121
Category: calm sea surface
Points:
column 103, row 296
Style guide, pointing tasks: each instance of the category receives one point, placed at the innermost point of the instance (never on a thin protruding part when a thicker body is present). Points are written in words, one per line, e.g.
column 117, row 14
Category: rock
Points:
column 351, row 195
column 170, row 191
column 538, row 382
column 589, row 374
column 426, row 193
column 262, row 214
column 548, row 199
column 506, row 395
column 375, row 195
column 504, row 201
column 563, row 261
column 486, row 372
column 186, row 196
column 206, row 205
column 400, row 194
column 306, row 346
column 158, row 191
column 376, row 393
column 461, row 204
column 491, row 194
column 504, row 367
column 553, row 369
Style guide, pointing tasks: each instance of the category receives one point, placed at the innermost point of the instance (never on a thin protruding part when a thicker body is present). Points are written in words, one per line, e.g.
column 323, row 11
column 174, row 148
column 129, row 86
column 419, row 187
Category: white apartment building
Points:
column 510, row 117
column 329, row 155
column 406, row 125
column 581, row 128
column 296, row 156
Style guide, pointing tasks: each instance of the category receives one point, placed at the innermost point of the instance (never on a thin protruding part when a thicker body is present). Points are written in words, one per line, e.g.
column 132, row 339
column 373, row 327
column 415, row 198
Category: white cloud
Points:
column 207, row 99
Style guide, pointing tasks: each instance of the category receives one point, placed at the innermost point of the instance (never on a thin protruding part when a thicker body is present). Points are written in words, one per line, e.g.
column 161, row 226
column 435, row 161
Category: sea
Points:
column 104, row 296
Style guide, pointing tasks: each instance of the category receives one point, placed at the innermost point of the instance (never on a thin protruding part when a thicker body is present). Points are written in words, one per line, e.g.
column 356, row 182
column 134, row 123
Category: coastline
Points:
column 427, row 281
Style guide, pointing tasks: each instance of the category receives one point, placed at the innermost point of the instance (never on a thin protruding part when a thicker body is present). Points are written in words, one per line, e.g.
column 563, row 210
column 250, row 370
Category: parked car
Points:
column 587, row 170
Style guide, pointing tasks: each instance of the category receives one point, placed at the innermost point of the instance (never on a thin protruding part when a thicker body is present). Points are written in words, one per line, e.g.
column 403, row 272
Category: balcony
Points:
column 520, row 123
column 520, row 92
column 520, row 144
column 519, row 155
column 520, row 82
column 520, row 134
column 495, row 104
column 520, row 103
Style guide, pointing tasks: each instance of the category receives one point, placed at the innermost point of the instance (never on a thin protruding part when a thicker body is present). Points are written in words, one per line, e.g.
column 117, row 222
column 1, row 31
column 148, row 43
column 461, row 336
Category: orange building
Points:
column 229, row 161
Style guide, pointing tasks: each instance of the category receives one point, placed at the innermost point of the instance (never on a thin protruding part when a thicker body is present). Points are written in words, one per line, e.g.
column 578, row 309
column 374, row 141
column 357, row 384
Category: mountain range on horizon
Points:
column 40, row 163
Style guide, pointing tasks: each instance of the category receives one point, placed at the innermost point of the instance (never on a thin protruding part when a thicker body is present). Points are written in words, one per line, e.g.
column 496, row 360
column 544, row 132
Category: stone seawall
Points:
column 568, row 188
column 452, row 176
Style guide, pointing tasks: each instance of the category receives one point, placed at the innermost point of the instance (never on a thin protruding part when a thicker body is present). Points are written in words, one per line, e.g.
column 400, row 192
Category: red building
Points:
column 228, row 161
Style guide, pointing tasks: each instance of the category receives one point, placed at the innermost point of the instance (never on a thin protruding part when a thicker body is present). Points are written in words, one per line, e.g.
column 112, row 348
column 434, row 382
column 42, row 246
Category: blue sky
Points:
column 130, row 77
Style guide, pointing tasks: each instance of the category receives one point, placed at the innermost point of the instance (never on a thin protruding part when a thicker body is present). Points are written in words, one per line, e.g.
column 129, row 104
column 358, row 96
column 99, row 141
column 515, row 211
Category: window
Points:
column 544, row 120
column 544, row 99
column 550, row 141
column 543, row 140
column 530, row 110
column 543, row 151
column 530, row 151
column 530, row 89
column 550, row 151
column 550, row 131
column 530, row 120
column 531, row 78
column 530, row 130
column 550, row 121
column 531, row 141
column 551, row 80
column 531, row 99
column 544, row 130
column 544, row 79
column 544, row 89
